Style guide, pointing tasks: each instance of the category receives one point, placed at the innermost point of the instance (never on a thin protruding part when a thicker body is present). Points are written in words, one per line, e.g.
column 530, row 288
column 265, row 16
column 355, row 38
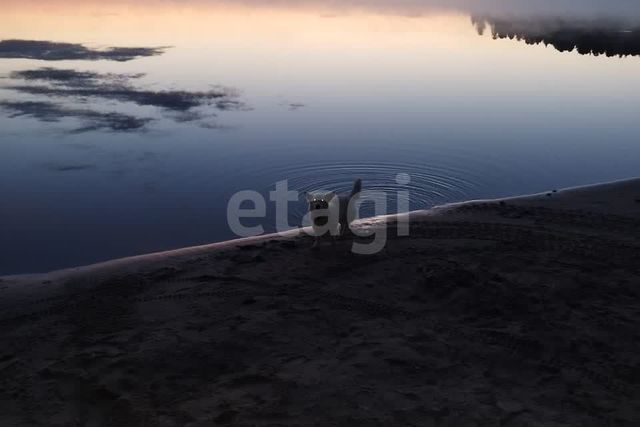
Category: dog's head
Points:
column 319, row 206
column 319, row 201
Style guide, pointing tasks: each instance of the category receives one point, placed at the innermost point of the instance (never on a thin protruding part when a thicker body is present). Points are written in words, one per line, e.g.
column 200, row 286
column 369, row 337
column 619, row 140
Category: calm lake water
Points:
column 107, row 153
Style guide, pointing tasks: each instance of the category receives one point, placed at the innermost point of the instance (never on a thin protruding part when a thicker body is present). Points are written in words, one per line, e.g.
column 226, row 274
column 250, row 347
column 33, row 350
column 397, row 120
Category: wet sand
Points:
column 521, row 312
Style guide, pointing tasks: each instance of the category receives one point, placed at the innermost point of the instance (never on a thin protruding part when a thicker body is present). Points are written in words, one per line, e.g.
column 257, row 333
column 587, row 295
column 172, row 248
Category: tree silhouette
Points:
column 587, row 38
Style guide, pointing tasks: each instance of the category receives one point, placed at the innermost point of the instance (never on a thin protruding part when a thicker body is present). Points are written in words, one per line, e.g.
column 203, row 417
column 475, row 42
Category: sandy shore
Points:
column 522, row 311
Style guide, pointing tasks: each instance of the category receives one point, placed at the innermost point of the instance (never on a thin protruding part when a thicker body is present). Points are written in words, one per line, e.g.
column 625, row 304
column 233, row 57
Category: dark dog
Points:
column 331, row 212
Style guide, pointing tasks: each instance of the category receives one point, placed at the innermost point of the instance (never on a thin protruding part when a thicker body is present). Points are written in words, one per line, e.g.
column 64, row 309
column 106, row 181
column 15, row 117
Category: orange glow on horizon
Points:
column 187, row 24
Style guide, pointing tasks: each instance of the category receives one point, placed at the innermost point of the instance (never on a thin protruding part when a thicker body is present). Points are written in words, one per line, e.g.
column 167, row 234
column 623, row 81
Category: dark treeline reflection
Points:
column 587, row 37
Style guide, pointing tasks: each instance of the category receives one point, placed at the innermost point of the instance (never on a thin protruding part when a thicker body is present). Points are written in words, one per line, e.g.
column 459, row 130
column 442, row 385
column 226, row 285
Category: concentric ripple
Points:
column 427, row 185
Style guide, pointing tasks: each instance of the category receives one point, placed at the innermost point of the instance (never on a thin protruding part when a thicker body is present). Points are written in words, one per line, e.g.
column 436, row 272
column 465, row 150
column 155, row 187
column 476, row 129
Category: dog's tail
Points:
column 357, row 187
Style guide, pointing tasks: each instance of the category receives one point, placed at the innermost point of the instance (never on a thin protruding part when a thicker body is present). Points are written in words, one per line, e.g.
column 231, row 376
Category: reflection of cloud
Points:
column 117, row 87
column 291, row 105
column 92, row 120
column 52, row 51
column 78, row 86
column 605, row 37
column 71, row 77
column 68, row 168
column 169, row 100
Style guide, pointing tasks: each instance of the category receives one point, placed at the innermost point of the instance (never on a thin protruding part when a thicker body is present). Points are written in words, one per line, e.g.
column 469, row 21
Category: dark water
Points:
column 108, row 151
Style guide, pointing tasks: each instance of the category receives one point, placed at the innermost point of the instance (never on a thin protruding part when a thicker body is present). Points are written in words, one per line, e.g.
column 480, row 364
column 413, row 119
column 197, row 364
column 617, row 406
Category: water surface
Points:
column 107, row 153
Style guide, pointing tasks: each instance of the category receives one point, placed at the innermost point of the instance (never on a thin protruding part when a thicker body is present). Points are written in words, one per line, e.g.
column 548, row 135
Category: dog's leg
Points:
column 344, row 228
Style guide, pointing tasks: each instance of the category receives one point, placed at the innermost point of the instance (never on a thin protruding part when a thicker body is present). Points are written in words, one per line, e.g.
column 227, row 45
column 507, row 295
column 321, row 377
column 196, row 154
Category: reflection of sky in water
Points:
column 331, row 98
